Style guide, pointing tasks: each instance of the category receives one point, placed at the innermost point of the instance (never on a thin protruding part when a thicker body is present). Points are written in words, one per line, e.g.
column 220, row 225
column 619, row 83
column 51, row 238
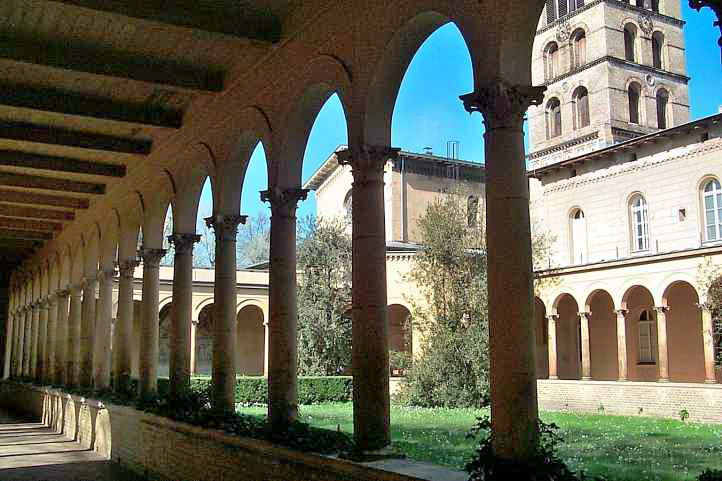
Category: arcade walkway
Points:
column 30, row 451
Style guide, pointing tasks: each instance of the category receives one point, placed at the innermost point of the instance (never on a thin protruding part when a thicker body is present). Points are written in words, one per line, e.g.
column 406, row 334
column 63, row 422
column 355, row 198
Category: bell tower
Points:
column 614, row 70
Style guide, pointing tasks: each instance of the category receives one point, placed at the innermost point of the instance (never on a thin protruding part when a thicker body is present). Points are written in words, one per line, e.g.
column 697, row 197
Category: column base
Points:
column 586, row 378
column 388, row 452
column 663, row 379
column 553, row 378
column 622, row 379
column 710, row 381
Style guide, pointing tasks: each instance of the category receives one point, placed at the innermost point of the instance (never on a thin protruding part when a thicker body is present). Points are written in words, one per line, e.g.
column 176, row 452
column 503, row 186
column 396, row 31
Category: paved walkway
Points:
column 30, row 451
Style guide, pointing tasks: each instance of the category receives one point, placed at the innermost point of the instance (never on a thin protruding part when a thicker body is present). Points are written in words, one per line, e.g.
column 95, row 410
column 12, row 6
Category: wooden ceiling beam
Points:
column 9, row 210
column 47, row 99
column 11, row 158
column 101, row 61
column 50, row 183
column 23, row 234
column 29, row 225
column 17, row 197
column 48, row 134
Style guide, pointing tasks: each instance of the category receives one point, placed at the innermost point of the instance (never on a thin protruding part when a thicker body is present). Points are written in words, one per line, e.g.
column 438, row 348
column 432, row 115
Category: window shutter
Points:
column 550, row 11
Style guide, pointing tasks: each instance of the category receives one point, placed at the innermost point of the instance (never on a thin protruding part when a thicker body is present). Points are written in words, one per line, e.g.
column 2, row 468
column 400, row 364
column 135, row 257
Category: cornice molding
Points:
column 623, row 63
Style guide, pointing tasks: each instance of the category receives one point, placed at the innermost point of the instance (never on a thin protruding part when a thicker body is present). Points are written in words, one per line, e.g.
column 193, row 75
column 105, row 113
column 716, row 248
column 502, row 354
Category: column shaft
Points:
column 8, row 346
column 104, row 316
column 182, row 311
column 622, row 343
column 42, row 341
column 663, row 361
column 370, row 345
column 123, row 335
column 73, row 350
column 224, row 312
column 51, row 340
column 20, row 342
column 34, row 335
column 552, row 335
column 27, row 341
column 708, row 342
column 266, row 346
column 586, row 352
column 61, row 351
column 87, row 333
column 194, row 334
column 149, row 327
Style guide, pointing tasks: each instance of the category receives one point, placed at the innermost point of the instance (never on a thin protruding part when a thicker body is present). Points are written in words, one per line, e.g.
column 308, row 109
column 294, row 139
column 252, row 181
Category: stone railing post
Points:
column 283, row 315
column 663, row 361
column 149, row 330
column 510, row 276
column 622, row 344
column 123, row 334
column 180, row 329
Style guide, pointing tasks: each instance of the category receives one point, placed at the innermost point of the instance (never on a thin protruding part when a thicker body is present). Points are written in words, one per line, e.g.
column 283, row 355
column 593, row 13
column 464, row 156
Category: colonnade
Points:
column 57, row 333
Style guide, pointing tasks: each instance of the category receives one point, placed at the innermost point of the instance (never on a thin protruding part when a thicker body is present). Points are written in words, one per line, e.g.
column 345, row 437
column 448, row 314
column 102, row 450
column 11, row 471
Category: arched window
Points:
column 638, row 219
column 712, row 201
column 646, row 336
column 579, row 48
column 554, row 118
column 551, row 61
column 472, row 210
column 581, row 107
column 657, row 43
column 630, row 40
column 578, row 237
column 662, row 101
column 633, row 92
column 348, row 205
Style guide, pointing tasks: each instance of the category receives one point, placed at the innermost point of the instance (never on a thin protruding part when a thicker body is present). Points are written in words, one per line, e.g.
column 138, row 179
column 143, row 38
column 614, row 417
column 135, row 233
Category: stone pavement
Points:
column 30, row 451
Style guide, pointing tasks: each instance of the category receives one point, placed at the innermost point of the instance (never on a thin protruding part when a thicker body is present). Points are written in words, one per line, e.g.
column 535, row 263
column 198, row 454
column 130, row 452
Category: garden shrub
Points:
column 710, row 475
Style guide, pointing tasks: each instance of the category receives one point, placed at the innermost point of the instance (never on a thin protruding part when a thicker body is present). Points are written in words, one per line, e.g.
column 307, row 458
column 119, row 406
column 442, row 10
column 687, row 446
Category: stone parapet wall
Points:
column 163, row 449
column 703, row 402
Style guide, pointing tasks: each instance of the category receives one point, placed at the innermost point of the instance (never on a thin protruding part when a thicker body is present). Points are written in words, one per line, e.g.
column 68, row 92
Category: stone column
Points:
column 148, row 365
column 224, row 311
column 194, row 334
column 42, row 340
column 182, row 311
column 72, row 371
column 552, row 335
column 20, row 351
column 622, row 343
column 708, row 343
column 61, row 351
column 8, row 345
column 283, row 315
column 370, row 345
column 103, row 320
column 510, row 275
column 586, row 352
column 34, row 336
column 123, row 336
column 27, row 340
column 51, row 339
column 663, row 361
column 266, row 345
column 87, row 332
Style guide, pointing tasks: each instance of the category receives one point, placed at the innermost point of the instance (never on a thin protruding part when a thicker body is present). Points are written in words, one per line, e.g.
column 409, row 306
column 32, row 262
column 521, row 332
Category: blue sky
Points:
column 428, row 112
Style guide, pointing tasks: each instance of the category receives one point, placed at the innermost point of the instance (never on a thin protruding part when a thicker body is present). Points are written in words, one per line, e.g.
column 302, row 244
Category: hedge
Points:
column 254, row 390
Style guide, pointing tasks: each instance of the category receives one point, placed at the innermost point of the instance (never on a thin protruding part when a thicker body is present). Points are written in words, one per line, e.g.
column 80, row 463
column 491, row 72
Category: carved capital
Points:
column 704, row 306
column 151, row 257
column 367, row 162
column 225, row 226
column 283, row 202
column 127, row 268
column 63, row 293
column 552, row 317
column 106, row 274
column 503, row 105
column 89, row 282
column 661, row 309
column 44, row 303
column 584, row 314
column 620, row 312
column 183, row 243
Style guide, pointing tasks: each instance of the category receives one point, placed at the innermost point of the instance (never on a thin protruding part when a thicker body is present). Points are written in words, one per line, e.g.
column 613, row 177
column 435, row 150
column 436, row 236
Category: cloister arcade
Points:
column 204, row 108
column 635, row 333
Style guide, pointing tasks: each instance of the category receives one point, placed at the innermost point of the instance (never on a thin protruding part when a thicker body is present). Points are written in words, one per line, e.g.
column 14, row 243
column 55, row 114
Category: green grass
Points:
column 617, row 447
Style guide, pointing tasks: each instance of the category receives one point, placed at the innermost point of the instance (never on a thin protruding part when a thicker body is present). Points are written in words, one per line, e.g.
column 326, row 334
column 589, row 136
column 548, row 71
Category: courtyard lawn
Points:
column 616, row 447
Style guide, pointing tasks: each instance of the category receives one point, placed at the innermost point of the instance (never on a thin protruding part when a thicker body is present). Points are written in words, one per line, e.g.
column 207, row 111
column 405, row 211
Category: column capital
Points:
column 584, row 314
column 106, row 274
column 225, row 226
column 552, row 317
column 151, row 257
column 76, row 290
column 502, row 104
column 367, row 161
column 183, row 243
column 88, row 282
column 620, row 312
column 127, row 268
column 195, row 322
column 63, row 292
column 283, row 201
column 44, row 302
column 661, row 309
column 704, row 306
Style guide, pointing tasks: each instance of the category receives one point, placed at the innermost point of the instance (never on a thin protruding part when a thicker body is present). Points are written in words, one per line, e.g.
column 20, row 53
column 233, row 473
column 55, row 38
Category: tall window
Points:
column 472, row 210
column 554, row 118
column 655, row 5
column 578, row 237
column 657, row 43
column 639, row 220
column 662, row 101
column 551, row 61
column 646, row 332
column 712, row 200
column 581, row 107
column 630, row 39
column 633, row 92
column 579, row 48
column 348, row 206
column 551, row 11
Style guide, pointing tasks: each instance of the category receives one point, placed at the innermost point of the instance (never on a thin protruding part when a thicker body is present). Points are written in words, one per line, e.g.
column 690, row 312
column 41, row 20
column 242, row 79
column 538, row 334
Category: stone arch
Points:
column 165, row 318
column 541, row 327
column 204, row 341
column 641, row 334
column 201, row 305
column 400, row 332
column 685, row 345
column 602, row 335
column 568, row 336
column 251, row 339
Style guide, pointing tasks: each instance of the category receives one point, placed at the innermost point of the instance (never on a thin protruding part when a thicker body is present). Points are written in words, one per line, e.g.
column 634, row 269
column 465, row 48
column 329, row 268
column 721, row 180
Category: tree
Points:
column 324, row 298
column 709, row 278
column 254, row 240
